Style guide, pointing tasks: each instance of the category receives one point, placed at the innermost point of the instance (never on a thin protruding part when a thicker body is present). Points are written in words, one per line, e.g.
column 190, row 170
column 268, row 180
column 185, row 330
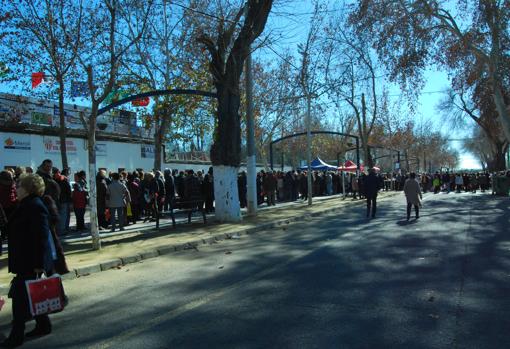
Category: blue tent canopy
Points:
column 318, row 165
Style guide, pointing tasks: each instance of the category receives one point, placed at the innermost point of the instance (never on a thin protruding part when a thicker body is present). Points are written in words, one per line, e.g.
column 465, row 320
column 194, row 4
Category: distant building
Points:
column 29, row 134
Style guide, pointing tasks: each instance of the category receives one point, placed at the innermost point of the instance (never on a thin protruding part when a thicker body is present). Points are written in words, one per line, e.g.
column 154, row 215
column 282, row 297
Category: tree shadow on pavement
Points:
column 334, row 281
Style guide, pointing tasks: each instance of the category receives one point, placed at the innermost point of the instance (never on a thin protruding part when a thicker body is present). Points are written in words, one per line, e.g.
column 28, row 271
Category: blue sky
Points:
column 293, row 32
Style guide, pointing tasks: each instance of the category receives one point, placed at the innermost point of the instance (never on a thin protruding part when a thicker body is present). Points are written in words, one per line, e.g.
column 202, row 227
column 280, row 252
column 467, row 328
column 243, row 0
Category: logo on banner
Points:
column 10, row 143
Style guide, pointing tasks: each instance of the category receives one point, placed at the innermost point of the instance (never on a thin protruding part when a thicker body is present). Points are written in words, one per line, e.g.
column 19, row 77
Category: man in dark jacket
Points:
column 66, row 199
column 208, row 190
column 242, row 189
column 102, row 188
column 269, row 187
column 179, row 184
column 371, row 187
column 52, row 188
column 158, row 187
column 169, row 189
column 192, row 190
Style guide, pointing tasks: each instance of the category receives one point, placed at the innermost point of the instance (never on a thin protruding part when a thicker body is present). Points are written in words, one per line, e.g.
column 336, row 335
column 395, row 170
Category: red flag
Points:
column 141, row 102
column 37, row 79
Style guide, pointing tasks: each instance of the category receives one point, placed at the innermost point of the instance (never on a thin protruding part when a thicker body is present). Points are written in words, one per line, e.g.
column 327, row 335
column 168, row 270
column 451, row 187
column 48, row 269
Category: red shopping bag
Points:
column 45, row 295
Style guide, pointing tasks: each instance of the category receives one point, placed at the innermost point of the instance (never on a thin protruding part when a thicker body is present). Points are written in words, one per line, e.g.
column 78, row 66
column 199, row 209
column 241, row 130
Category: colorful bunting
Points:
column 141, row 102
column 37, row 79
column 79, row 89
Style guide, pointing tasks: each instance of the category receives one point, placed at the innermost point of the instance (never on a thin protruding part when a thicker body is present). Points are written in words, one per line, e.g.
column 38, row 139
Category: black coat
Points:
column 102, row 188
column 27, row 235
column 51, row 186
column 371, row 185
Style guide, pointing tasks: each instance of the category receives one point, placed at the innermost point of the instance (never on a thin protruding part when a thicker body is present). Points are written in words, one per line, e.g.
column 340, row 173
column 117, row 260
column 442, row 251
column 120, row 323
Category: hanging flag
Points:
column 37, row 79
column 79, row 89
column 141, row 102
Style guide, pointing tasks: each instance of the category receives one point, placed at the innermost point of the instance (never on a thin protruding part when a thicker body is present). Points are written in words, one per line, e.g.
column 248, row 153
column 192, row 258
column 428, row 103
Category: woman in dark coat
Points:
column 29, row 255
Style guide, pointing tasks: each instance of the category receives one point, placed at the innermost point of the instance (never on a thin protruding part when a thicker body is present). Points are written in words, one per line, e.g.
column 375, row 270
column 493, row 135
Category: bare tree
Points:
column 409, row 35
column 356, row 83
column 166, row 57
column 464, row 105
column 44, row 35
column 104, row 47
column 228, row 47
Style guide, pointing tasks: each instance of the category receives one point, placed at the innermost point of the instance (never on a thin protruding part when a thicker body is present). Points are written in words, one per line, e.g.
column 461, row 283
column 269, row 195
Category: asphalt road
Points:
column 337, row 281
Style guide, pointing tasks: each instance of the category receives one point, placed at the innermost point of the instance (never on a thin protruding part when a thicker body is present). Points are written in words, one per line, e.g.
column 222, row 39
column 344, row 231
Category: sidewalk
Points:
column 143, row 241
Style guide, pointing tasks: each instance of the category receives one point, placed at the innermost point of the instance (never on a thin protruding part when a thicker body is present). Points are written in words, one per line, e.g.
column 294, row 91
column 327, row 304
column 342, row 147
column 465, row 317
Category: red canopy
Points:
column 349, row 166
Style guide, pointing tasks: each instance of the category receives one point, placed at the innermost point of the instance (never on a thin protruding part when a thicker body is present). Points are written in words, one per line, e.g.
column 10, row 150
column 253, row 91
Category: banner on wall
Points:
column 147, row 151
column 101, row 149
column 52, row 146
column 17, row 143
column 39, row 118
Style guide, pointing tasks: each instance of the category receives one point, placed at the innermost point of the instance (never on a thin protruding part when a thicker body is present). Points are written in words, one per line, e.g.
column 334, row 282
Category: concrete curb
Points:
column 167, row 249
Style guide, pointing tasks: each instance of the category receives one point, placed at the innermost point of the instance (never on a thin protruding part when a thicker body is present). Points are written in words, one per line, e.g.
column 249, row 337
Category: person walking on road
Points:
column 29, row 256
column 371, row 187
column 413, row 194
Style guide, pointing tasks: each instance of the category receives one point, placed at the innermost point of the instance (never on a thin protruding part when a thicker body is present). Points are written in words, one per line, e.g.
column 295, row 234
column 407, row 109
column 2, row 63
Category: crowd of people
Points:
column 128, row 197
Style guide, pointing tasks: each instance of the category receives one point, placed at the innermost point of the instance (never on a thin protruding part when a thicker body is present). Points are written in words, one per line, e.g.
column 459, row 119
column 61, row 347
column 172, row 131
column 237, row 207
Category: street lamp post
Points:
column 251, row 167
column 309, row 147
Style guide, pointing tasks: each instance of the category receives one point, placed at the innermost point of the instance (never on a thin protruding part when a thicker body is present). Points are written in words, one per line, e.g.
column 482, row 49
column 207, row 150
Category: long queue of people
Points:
column 129, row 197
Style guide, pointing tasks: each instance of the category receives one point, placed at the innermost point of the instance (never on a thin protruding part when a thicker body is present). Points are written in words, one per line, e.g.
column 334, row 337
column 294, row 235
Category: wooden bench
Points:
column 187, row 206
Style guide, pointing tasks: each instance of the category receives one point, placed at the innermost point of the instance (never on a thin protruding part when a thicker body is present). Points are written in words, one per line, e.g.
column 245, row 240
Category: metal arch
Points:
column 156, row 93
column 386, row 148
column 313, row 133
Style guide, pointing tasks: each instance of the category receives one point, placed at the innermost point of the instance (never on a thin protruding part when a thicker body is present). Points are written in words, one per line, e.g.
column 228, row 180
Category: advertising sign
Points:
column 17, row 143
column 147, row 151
column 52, row 146
column 39, row 118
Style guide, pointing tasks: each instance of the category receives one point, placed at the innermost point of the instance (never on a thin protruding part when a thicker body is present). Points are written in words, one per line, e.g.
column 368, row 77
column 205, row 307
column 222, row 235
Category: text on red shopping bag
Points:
column 45, row 296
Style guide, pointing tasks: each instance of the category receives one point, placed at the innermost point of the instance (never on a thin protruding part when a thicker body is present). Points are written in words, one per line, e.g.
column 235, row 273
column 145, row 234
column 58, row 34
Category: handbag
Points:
column 45, row 295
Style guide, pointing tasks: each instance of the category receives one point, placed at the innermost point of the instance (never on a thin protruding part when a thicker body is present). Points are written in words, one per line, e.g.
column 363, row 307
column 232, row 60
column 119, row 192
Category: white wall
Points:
column 30, row 150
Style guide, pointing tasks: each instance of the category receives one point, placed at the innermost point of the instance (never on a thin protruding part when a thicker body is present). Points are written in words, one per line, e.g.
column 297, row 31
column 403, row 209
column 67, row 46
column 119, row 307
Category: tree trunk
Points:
column 226, row 196
column 62, row 133
column 497, row 162
column 367, row 156
column 226, row 149
column 226, row 155
column 162, row 126
column 91, row 138
column 503, row 112
column 157, row 147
